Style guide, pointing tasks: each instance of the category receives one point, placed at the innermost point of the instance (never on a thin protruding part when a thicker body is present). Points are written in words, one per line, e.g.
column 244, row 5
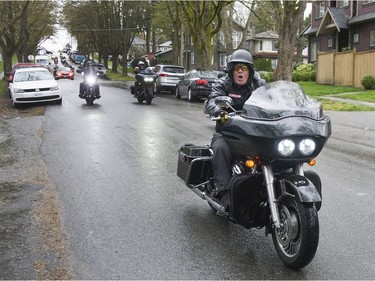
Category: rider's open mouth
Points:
column 240, row 76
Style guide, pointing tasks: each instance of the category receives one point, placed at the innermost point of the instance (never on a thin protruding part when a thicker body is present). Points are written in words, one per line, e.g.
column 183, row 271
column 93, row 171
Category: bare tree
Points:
column 286, row 17
column 204, row 20
column 24, row 25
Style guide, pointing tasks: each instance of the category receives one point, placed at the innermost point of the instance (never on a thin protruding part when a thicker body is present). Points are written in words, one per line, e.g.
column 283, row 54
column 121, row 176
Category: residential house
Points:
column 263, row 45
column 338, row 26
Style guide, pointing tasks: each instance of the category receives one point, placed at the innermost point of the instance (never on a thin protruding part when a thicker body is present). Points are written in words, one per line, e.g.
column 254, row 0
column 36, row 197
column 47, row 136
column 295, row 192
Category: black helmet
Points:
column 241, row 56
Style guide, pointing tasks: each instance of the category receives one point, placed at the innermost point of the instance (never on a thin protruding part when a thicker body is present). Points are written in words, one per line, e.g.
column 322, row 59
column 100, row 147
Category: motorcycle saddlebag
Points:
column 193, row 163
column 246, row 194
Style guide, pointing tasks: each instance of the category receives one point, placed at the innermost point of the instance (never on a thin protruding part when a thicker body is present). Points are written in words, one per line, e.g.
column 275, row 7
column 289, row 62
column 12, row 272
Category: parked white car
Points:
column 32, row 85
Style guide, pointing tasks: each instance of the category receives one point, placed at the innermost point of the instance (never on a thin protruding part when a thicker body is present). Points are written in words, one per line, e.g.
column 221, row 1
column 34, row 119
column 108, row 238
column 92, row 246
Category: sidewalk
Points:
column 336, row 97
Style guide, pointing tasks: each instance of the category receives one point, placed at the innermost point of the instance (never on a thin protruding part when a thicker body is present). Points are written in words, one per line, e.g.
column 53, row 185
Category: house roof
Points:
column 166, row 44
column 270, row 34
column 362, row 18
column 160, row 53
column 334, row 19
column 309, row 30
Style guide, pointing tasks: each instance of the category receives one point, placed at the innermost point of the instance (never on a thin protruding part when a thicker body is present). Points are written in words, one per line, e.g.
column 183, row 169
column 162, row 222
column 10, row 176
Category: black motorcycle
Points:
column 90, row 88
column 277, row 132
column 145, row 86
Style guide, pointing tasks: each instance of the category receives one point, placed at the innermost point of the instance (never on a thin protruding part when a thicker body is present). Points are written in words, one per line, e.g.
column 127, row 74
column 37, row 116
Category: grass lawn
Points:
column 368, row 96
column 316, row 90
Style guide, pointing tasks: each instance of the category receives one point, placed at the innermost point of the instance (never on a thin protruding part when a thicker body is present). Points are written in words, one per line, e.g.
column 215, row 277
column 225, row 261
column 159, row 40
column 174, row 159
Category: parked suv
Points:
column 168, row 77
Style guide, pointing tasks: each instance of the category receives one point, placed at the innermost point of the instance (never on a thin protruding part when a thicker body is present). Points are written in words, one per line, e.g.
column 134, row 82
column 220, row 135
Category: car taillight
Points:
column 202, row 82
column 163, row 75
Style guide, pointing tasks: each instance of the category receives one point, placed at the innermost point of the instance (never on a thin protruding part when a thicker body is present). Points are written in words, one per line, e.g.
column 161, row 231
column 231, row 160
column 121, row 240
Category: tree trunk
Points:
column 289, row 15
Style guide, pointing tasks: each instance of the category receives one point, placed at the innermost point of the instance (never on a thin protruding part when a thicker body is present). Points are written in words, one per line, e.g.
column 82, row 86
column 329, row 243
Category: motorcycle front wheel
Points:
column 149, row 95
column 297, row 240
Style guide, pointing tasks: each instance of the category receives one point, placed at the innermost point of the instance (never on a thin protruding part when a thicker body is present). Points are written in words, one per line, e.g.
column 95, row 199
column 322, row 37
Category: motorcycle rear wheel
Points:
column 297, row 240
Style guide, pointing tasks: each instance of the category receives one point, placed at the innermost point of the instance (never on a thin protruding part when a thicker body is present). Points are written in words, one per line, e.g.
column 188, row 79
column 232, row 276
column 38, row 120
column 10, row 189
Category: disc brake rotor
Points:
column 289, row 230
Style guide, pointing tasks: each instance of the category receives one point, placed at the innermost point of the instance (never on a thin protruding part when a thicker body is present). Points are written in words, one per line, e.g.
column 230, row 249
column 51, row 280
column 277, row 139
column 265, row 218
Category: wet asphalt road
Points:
column 126, row 215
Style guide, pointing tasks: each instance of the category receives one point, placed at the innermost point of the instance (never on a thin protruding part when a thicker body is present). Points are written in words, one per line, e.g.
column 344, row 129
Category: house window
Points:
column 260, row 45
column 237, row 37
column 372, row 38
column 320, row 9
column 355, row 38
column 223, row 59
column 192, row 58
column 367, row 1
column 313, row 51
column 343, row 3
column 274, row 46
column 330, row 42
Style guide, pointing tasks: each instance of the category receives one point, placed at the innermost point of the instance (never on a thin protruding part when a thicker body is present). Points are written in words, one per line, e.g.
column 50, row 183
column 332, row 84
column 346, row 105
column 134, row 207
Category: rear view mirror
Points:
column 223, row 101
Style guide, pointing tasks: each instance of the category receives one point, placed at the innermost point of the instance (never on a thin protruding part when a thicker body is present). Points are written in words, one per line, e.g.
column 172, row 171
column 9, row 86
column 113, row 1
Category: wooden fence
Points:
column 344, row 69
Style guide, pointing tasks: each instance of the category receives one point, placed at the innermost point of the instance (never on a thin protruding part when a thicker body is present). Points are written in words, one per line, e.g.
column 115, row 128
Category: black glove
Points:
column 223, row 115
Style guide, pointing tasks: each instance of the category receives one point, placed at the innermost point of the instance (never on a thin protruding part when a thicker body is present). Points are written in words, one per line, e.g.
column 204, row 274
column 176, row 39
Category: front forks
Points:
column 270, row 180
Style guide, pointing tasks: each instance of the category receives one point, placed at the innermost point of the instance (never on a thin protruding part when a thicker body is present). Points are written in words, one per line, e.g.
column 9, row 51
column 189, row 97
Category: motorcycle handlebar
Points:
column 230, row 114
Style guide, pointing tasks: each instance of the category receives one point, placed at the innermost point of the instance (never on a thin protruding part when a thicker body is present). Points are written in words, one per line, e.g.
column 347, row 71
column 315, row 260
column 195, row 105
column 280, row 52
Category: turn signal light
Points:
column 250, row 163
column 312, row 162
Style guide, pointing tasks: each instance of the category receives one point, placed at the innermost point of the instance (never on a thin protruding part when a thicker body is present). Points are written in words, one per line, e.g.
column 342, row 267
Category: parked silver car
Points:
column 168, row 77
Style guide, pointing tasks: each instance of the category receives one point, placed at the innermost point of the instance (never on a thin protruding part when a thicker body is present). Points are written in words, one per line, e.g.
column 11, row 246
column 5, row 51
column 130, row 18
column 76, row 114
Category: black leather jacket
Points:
column 227, row 87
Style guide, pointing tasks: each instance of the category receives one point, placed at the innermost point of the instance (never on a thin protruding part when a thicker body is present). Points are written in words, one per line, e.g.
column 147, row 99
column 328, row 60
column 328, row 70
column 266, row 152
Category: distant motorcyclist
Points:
column 139, row 69
column 87, row 72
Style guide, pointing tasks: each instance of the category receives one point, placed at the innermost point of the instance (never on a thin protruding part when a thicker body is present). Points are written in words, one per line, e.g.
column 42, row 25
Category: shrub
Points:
column 263, row 64
column 304, row 72
column 368, row 82
column 267, row 76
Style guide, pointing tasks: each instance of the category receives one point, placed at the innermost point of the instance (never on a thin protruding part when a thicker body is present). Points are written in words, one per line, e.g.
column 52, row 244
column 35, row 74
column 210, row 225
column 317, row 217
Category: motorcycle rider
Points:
column 238, row 85
column 141, row 66
column 89, row 71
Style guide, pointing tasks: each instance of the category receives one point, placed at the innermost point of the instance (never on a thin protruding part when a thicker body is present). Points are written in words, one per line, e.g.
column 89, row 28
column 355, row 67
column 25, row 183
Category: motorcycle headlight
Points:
column 91, row 80
column 149, row 79
column 286, row 147
column 306, row 147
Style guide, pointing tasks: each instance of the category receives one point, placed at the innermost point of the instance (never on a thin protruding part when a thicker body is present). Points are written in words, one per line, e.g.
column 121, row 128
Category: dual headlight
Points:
column 287, row 147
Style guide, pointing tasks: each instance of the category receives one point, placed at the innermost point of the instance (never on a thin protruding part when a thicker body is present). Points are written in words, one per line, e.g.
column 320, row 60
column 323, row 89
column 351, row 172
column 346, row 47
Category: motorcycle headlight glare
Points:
column 149, row 79
column 91, row 80
column 307, row 147
column 286, row 147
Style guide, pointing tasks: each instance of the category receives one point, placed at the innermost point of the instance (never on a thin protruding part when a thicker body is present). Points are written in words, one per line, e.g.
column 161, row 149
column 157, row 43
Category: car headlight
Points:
column 286, row 147
column 16, row 90
column 306, row 147
column 149, row 79
column 55, row 88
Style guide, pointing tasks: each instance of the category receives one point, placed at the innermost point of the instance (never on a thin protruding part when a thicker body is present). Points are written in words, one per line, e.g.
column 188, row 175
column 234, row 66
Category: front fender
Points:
column 301, row 187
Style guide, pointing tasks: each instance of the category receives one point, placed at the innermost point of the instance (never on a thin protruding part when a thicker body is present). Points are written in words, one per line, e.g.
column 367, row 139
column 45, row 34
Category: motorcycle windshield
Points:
column 281, row 99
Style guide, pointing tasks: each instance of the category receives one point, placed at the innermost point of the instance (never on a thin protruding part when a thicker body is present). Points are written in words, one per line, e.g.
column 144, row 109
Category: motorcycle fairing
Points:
column 278, row 110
